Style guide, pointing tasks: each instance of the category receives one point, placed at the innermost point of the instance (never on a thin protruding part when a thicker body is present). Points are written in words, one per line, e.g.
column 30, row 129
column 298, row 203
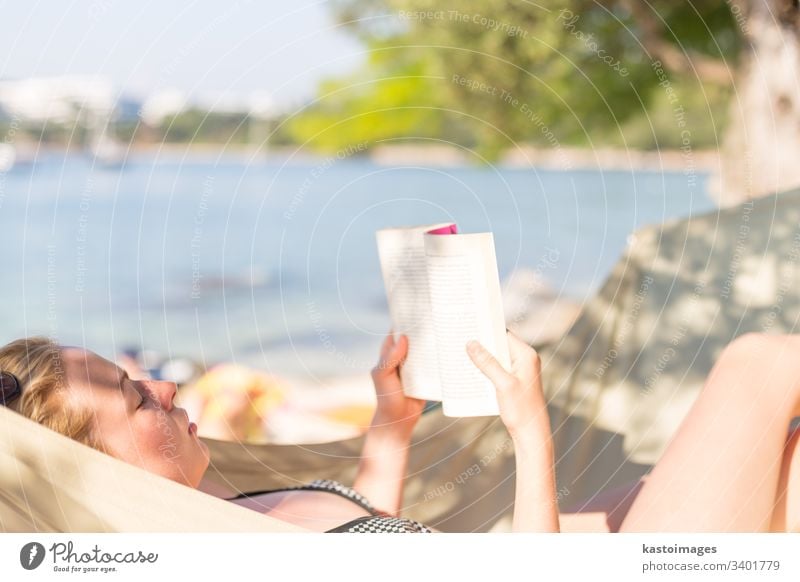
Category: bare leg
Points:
column 787, row 504
column 722, row 470
column 606, row 512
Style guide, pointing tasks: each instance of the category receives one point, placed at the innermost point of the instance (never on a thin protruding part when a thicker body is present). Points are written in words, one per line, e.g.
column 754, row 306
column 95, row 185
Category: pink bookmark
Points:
column 451, row 229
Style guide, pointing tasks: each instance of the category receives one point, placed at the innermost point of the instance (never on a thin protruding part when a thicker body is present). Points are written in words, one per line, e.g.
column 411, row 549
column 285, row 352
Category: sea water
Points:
column 272, row 261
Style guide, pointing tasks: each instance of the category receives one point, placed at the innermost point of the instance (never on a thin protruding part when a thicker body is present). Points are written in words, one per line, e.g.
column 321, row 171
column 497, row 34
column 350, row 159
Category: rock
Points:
column 533, row 310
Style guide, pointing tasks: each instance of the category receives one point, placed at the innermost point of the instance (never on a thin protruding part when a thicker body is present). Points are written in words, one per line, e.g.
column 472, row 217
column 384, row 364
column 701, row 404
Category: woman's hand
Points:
column 519, row 392
column 382, row 468
column 524, row 412
column 395, row 410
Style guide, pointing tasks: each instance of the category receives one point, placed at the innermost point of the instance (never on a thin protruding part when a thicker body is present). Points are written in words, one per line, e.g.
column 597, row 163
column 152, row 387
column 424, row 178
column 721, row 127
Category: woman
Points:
column 729, row 467
column 91, row 400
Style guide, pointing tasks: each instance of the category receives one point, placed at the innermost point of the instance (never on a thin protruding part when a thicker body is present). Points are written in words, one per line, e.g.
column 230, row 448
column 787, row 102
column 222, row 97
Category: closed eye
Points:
column 143, row 393
column 127, row 378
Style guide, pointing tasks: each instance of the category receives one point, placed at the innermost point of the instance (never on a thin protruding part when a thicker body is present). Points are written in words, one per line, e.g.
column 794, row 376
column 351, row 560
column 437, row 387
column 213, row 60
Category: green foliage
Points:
column 490, row 74
column 396, row 101
column 69, row 134
column 195, row 125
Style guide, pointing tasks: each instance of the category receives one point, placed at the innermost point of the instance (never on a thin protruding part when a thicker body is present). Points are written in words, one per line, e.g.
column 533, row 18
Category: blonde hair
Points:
column 37, row 364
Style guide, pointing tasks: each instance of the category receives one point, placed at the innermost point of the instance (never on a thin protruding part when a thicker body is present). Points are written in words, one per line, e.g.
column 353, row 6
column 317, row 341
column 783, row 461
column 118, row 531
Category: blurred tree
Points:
column 196, row 125
column 585, row 72
column 393, row 100
column 763, row 141
column 497, row 73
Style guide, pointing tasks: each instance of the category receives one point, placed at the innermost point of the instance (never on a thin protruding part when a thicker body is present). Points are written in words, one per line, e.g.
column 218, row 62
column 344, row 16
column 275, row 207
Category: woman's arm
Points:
column 524, row 412
column 382, row 468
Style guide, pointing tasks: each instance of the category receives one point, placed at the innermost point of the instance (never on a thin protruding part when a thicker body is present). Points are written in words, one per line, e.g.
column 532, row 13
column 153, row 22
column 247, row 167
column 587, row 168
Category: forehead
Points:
column 85, row 368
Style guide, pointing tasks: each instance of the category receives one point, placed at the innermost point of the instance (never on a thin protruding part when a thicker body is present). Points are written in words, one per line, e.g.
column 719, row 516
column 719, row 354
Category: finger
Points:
column 386, row 346
column 400, row 350
column 488, row 364
column 394, row 357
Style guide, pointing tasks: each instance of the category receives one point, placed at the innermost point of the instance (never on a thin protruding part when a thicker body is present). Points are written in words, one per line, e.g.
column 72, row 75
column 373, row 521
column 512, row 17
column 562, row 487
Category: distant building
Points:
column 128, row 109
column 163, row 104
column 57, row 99
column 94, row 101
column 261, row 104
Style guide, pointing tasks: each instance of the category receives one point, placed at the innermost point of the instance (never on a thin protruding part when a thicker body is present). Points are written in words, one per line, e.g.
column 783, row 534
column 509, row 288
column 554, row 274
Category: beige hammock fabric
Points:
column 619, row 384
column 627, row 372
column 49, row 483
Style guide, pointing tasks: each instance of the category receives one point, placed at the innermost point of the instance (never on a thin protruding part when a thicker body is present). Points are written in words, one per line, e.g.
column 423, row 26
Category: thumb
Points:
column 488, row 364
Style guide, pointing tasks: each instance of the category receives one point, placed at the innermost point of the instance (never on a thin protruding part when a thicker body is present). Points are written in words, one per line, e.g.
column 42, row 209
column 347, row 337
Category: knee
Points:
column 754, row 346
column 759, row 353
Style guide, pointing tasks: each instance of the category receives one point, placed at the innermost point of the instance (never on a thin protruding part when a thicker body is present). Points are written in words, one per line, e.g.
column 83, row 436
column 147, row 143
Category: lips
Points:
column 190, row 426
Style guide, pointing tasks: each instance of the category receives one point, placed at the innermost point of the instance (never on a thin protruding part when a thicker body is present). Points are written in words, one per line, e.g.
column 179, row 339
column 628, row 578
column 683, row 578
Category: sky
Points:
column 283, row 47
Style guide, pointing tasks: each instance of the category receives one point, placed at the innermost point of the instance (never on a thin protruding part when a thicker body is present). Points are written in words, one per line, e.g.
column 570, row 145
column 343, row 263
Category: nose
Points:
column 165, row 392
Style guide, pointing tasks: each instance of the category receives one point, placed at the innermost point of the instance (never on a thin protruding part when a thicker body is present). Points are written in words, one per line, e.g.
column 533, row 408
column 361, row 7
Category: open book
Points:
column 443, row 290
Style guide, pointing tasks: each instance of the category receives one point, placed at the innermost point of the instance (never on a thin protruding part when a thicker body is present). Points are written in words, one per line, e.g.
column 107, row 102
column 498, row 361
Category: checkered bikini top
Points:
column 376, row 522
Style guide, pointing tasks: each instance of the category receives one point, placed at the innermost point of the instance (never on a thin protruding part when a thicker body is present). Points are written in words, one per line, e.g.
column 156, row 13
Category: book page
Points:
column 466, row 304
column 405, row 277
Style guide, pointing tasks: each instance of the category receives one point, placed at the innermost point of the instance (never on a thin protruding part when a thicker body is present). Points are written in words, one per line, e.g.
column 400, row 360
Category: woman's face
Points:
column 135, row 419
